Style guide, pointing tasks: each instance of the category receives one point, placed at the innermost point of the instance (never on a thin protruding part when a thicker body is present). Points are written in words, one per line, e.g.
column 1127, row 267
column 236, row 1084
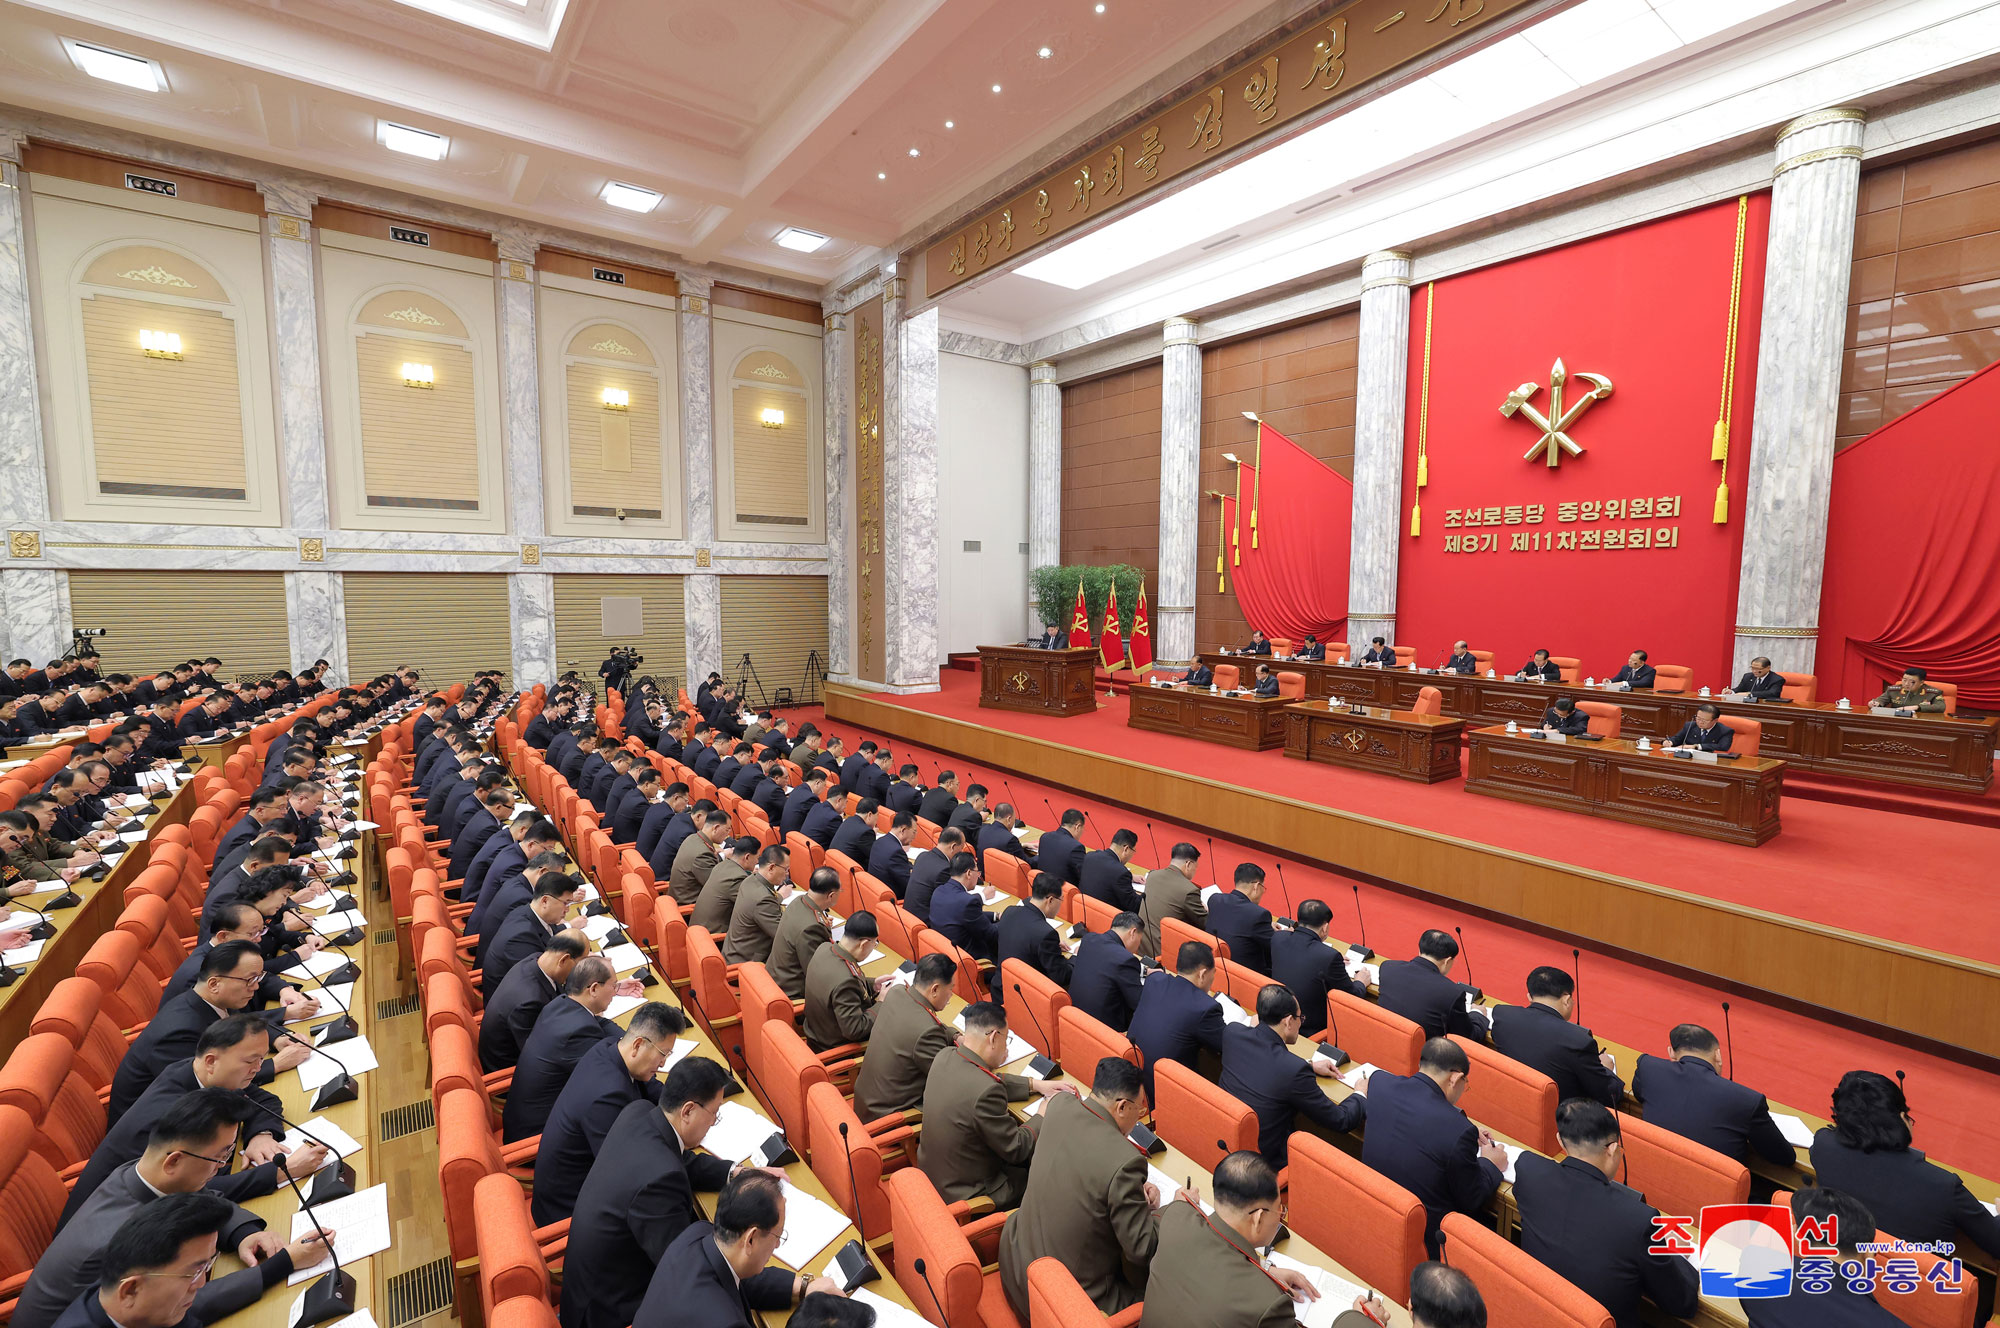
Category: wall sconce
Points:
column 771, row 417
column 159, row 345
column 617, row 398
column 418, row 375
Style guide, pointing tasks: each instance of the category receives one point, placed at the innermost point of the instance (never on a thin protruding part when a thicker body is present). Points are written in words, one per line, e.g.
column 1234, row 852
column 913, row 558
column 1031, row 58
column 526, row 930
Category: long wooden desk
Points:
column 1042, row 682
column 1949, row 752
column 1254, row 723
column 1734, row 801
column 1402, row 743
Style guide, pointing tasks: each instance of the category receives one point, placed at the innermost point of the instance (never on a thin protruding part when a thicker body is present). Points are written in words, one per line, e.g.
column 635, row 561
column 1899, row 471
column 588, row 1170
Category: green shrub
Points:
column 1055, row 591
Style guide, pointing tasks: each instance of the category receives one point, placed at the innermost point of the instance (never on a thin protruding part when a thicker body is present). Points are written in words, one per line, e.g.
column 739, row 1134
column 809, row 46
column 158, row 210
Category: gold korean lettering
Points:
column 1149, row 151
column 1329, row 58
column 1208, row 123
column 1114, row 171
column 980, row 240
column 1080, row 189
column 1460, row 11
column 957, row 264
column 1262, row 89
column 1041, row 212
column 1004, row 238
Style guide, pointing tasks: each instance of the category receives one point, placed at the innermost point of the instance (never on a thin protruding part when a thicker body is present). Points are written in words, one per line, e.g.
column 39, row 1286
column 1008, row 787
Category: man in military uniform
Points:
column 1911, row 693
column 802, row 931
column 908, row 1037
column 1172, row 893
column 1207, row 1272
column 841, row 1000
column 972, row 1146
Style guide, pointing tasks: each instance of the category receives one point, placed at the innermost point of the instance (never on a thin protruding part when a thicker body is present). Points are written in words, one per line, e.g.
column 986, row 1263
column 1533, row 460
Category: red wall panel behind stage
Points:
column 1648, row 308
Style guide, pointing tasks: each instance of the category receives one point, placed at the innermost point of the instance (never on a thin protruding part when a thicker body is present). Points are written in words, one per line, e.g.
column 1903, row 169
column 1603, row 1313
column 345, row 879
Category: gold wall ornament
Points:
column 1004, row 231
column 703, row 558
column 531, row 555
column 414, row 316
column 612, row 346
column 1261, row 91
column 1555, row 439
column 288, row 228
column 24, row 543
column 312, row 550
column 157, row 276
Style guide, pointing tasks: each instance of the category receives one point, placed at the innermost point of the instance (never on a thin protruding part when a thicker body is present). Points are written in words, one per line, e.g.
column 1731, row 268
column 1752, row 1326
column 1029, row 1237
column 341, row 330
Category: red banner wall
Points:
column 1648, row 308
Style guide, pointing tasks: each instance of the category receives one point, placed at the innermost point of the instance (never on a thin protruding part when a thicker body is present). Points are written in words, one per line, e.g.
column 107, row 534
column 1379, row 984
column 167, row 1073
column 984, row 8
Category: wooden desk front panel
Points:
column 1735, row 802
column 1381, row 743
column 1253, row 723
column 1930, row 750
column 1044, row 682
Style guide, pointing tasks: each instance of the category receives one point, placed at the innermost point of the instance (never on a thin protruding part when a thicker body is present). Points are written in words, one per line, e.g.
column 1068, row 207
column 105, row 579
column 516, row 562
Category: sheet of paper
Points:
column 1354, row 1074
column 332, row 924
column 900, row 978
column 324, row 962
column 339, row 1140
column 1232, row 1013
column 1797, row 1133
column 1017, row 1046
column 365, row 825
column 683, row 1047
column 131, row 836
column 319, row 1069
column 339, row 996
column 587, row 892
column 1513, row 1156
column 358, row 1319
column 626, row 957
column 360, row 1227
column 1336, row 1294
column 888, row 1314
column 1369, row 973
column 27, row 954
column 737, row 1132
column 1165, row 1184
column 600, row 926
column 810, row 1226
column 1209, row 892
column 621, row 1005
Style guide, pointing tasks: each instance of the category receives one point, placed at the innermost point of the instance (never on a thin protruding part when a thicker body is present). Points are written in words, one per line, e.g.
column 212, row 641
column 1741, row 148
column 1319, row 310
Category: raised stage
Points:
column 1884, row 918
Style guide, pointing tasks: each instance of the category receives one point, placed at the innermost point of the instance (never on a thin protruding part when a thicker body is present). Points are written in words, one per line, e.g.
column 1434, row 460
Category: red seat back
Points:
column 1368, row 1033
column 1508, row 1097
column 1517, row 1287
column 1034, row 1007
column 1358, row 1217
column 1193, row 1115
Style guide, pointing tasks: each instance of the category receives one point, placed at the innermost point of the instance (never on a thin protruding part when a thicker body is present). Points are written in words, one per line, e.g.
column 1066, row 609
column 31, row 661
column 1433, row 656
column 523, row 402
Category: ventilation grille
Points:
column 386, row 936
column 399, row 1121
column 419, row 1293
column 972, row 546
column 402, row 1005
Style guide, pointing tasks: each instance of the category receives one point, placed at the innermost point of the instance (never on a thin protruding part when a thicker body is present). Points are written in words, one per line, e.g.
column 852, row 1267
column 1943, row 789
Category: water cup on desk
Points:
column 1704, row 691
column 1490, row 673
column 1645, row 744
column 1590, row 682
column 1512, row 727
column 1842, row 704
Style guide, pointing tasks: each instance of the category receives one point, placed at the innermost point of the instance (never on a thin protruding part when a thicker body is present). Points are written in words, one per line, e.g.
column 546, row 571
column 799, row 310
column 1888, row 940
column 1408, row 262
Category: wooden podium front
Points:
column 1043, row 682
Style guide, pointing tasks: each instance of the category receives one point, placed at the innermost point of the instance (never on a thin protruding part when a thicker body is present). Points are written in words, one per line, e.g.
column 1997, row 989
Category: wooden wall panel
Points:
column 1924, row 299
column 779, row 621
column 1111, row 472
column 450, row 625
column 158, row 619
column 580, row 640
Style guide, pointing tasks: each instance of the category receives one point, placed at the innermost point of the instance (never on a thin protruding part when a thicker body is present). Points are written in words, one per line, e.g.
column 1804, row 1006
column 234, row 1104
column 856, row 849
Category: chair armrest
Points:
column 897, row 1147
column 520, row 1151
column 983, row 1234
column 500, row 1080
column 1128, row 1318
column 553, row 1238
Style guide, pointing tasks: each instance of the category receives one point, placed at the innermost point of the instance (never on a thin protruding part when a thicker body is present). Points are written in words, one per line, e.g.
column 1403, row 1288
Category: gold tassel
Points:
column 1416, row 518
column 1221, row 584
column 1722, row 503
column 1719, row 448
column 1423, row 470
column 1236, row 557
column 1218, row 562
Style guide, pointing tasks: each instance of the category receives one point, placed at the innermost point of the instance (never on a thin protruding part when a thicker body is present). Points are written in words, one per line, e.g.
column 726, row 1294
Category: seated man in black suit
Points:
column 1421, row 990
column 1052, row 638
column 1636, row 673
column 1026, row 935
column 800, row 800
column 612, row 1075
column 824, row 818
column 1267, row 681
column 940, row 802
column 229, row 976
column 1868, row 1153
column 1305, row 963
column 1705, row 732
column 568, row 1026
column 1104, row 979
column 1260, row 1071
column 1259, row 645
column 851, row 768
column 1418, row 1137
column 969, row 817
column 632, row 808
column 1541, row 1037
column 1061, row 850
column 1761, row 683
column 929, row 871
column 1379, row 652
column 1540, row 667
column 510, row 1016
column 888, row 858
column 905, row 794
column 1563, row 717
column 999, row 833
column 1462, row 660
column 1177, row 1015
column 1198, row 675
column 1105, row 873
column 1843, row 1305
column 716, row 1275
column 1690, row 1096
column 1240, row 919
column 958, row 910
column 855, row 836
column 1312, row 648
column 1594, row 1231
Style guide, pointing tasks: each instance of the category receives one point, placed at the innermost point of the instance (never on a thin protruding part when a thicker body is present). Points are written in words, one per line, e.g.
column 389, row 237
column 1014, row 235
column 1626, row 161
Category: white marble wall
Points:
column 1180, row 490
column 1811, row 252
column 701, row 601
column 34, row 600
column 1380, row 389
column 35, row 605
column 295, row 335
column 316, row 614
column 531, row 599
column 1044, row 482
column 838, row 375
column 910, row 483
column 531, row 594
column 697, row 372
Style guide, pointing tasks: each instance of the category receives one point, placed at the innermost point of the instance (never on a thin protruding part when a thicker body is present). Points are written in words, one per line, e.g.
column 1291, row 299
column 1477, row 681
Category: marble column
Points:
column 701, row 599
column 1380, row 379
column 1180, row 491
column 1044, row 482
column 316, row 616
column 531, row 601
column 295, row 333
column 531, row 595
column 1817, row 177
column 35, row 600
column 835, row 352
column 35, row 605
column 701, row 591
column 910, row 490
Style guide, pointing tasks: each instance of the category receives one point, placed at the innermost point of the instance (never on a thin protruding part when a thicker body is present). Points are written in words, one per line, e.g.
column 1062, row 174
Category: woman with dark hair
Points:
column 1867, row 1153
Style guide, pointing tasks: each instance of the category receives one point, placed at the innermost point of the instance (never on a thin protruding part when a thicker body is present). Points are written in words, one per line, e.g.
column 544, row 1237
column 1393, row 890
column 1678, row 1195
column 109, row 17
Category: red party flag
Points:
column 1142, row 635
column 1110, row 640
column 1079, row 621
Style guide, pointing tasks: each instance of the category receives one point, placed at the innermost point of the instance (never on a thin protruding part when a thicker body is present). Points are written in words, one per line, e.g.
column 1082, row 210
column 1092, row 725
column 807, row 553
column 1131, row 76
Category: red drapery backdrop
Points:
column 1647, row 307
column 1913, row 551
column 1292, row 577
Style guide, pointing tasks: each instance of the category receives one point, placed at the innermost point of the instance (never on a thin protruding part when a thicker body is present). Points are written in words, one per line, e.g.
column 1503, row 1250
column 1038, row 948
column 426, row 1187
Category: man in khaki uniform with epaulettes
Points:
column 695, row 859
column 841, row 1000
column 802, row 931
column 971, row 1145
column 1172, row 893
column 760, row 907
column 717, row 901
column 908, row 1036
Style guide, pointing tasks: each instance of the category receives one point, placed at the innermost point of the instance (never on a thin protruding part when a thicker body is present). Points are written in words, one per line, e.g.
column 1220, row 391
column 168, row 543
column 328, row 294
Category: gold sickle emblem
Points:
column 1354, row 740
column 1555, row 439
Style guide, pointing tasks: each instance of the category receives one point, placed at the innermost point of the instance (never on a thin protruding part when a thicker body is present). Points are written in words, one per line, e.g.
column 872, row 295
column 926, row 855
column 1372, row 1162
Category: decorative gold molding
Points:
column 516, row 270
column 896, row 288
column 1815, row 156
column 287, row 228
column 702, row 558
column 114, row 544
column 390, row 553
column 531, row 555
column 414, row 316
column 24, row 543
column 1372, row 617
column 694, row 304
column 613, row 346
column 312, row 550
column 1803, row 633
column 1814, row 119
column 1373, row 282
column 156, row 276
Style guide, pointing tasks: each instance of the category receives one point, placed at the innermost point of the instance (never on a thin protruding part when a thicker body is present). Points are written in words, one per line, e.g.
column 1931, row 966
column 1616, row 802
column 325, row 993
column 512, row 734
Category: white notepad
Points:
column 322, row 963
column 1797, row 1133
column 319, row 1069
column 360, row 1227
column 888, row 1314
column 1017, row 1046
column 1336, row 1294
column 340, row 1141
column 737, row 1132
column 810, row 1226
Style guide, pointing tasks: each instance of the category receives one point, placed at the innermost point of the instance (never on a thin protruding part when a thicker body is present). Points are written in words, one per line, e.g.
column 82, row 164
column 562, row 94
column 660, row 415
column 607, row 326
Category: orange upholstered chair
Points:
column 1091, row 1040
column 1174, row 934
column 130, row 993
column 1678, row 1175
column 1483, row 658
column 1292, row 685
column 845, row 868
column 1281, row 645
column 898, row 930
column 1336, row 652
column 1570, row 666
column 1430, row 701
column 521, row 1312
column 1404, row 655
column 954, row 1256
column 467, row 1154
column 927, row 833
column 1518, row 1288
column 1005, row 872
column 794, row 1071
column 852, row 1166
column 1673, row 678
column 1511, row 1098
column 1227, row 676
column 806, row 858
column 31, row 1198
column 714, row 996
column 1239, row 983
column 74, row 1009
column 1606, row 719
column 511, row 1262
column 1055, row 1300
column 1194, row 1115
column 1357, row 1216
column 1927, row 1307
column 1368, row 1033
column 1799, row 687
column 969, row 984
column 40, row 1077
column 1950, row 694
column 1749, row 739
column 1034, row 1008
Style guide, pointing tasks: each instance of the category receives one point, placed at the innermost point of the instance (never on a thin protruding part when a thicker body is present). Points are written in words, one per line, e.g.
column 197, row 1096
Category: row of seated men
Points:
column 972, row 1146
column 162, row 1189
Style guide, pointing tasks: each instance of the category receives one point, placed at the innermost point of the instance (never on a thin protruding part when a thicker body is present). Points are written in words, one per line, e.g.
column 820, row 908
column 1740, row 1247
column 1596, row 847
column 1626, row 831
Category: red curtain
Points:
column 1913, row 551
column 1292, row 576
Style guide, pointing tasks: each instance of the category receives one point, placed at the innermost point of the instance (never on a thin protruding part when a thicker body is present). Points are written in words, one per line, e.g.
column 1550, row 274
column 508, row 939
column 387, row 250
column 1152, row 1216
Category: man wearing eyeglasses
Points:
column 154, row 1267
column 192, row 1144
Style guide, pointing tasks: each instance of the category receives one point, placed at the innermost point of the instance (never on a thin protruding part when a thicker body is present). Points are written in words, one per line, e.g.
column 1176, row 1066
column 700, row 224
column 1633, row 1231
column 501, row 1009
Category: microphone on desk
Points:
column 332, row 1296
column 1728, row 1043
column 918, row 1264
column 334, row 1091
column 1465, row 956
column 42, row 930
column 335, row 1180
column 1043, row 1067
column 1213, row 879
column 1157, row 862
column 1331, row 1050
column 1363, row 922
column 775, row 1150
column 1576, row 983
column 343, row 1028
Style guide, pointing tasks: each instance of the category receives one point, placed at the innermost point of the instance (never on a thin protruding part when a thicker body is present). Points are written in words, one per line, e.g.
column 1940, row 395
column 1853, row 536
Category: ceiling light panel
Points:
column 131, row 71
column 412, row 142
column 803, row 241
column 630, row 197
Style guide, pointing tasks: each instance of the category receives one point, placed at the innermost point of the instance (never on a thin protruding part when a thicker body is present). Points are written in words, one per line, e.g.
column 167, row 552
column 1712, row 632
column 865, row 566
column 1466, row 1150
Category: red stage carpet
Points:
column 1795, row 1059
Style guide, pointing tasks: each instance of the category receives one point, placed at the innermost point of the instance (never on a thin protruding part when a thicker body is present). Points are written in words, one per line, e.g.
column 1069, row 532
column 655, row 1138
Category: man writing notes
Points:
column 1705, row 732
column 1761, row 683
column 1260, row 644
column 1563, row 717
column 1911, row 693
column 1636, row 673
column 1540, row 667
column 971, row 1144
column 1378, row 652
column 1461, row 660
column 1267, row 681
column 1312, row 648
column 1198, row 675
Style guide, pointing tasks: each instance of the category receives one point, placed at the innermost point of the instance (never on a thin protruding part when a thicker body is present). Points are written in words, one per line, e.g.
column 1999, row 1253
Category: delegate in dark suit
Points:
column 1085, row 1204
column 1549, row 672
column 1715, row 738
column 630, row 816
column 1639, row 676
column 1842, row 1307
column 1174, row 1021
column 908, row 1036
column 510, row 1015
column 1690, row 1098
column 902, row 797
column 1261, row 1072
column 1573, row 723
column 1311, row 968
column 695, row 1284
column 1911, row 1197
column 937, row 807
column 1541, row 1039
column 1198, row 676
column 169, row 1037
column 480, row 827
column 874, row 782
column 961, row 916
column 597, row 1091
column 888, row 863
column 926, row 873
column 1026, row 935
column 517, row 940
column 1418, row 1139
column 637, row 1200
column 1103, row 877
column 1104, row 980
column 1418, row 991
column 560, row 1038
column 1595, row 1232
column 855, row 837
column 1060, row 852
column 1769, row 687
column 995, row 835
column 654, row 824
column 965, row 819
column 793, row 814
column 1246, row 928
column 822, row 822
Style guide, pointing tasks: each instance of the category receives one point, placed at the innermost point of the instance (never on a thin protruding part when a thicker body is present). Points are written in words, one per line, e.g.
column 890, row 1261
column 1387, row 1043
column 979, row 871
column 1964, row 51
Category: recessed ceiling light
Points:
column 630, row 197
column 1044, row 53
column 132, row 71
column 947, row 124
column 915, row 153
column 881, row 175
column 1100, row 9
column 996, row 87
column 414, row 142
column 804, row 241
